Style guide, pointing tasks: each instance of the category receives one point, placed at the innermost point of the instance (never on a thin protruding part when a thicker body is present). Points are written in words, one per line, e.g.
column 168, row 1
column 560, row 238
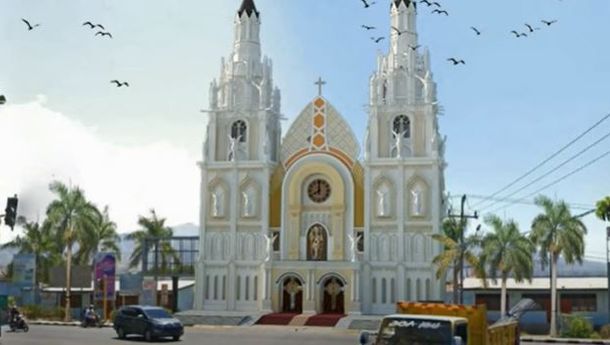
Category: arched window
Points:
column 428, row 288
column 402, row 124
column 374, row 290
column 384, row 299
column 247, row 288
column 239, row 130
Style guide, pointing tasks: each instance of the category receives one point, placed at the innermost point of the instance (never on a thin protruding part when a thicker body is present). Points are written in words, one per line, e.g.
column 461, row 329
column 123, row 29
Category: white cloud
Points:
column 40, row 145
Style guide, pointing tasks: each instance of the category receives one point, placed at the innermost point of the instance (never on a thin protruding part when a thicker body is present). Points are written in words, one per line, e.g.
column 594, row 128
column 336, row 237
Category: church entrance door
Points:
column 292, row 296
column 333, row 296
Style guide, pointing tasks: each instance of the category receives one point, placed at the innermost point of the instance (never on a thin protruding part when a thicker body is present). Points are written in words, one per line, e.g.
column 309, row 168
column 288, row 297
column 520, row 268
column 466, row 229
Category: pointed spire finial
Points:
column 407, row 3
column 249, row 7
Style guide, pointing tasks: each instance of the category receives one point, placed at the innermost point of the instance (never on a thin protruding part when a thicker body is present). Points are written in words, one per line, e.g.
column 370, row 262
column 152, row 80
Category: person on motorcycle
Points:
column 90, row 313
column 13, row 314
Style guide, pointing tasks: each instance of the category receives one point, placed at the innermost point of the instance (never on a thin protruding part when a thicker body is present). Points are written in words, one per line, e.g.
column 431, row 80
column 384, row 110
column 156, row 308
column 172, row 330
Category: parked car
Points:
column 150, row 322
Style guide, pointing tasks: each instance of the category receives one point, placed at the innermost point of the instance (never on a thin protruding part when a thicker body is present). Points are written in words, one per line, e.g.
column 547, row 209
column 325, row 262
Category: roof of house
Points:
column 572, row 283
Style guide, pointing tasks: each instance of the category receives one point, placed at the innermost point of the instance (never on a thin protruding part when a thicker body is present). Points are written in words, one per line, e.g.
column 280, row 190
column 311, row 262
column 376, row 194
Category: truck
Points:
column 418, row 323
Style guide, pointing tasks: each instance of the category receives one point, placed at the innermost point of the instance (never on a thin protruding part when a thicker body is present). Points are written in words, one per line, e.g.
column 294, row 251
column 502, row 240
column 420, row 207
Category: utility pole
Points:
column 608, row 267
column 463, row 217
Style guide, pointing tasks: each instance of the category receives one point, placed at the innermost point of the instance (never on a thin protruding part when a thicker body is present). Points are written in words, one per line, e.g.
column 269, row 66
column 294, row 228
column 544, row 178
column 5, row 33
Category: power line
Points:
column 562, row 164
column 557, row 180
column 573, row 205
column 548, row 159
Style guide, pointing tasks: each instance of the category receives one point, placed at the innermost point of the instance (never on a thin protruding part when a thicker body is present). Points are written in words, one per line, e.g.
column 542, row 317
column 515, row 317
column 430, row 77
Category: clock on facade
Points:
column 318, row 190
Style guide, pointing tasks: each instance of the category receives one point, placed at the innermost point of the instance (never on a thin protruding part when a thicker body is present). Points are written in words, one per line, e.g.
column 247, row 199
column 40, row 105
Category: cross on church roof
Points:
column 320, row 83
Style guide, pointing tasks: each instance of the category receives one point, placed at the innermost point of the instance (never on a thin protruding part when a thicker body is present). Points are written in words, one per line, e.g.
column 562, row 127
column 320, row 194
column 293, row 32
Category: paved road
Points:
column 268, row 335
column 259, row 335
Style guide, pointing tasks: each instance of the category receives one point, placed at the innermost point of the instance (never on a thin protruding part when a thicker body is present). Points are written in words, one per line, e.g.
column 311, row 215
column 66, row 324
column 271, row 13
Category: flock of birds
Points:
column 102, row 32
column 439, row 10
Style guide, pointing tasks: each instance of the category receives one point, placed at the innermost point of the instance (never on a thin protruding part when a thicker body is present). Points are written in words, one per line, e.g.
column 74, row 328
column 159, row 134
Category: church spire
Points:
column 249, row 7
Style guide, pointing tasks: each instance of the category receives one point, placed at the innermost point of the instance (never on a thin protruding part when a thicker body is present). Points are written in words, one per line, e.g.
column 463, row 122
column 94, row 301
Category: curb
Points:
column 65, row 324
column 564, row 341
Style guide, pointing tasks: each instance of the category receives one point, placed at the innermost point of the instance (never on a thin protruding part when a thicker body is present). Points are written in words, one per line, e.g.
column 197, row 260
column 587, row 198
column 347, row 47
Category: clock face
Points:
column 318, row 190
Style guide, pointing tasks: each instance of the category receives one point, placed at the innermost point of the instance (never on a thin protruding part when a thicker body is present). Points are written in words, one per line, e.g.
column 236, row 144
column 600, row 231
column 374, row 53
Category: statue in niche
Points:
column 333, row 289
column 217, row 203
column 399, row 142
column 248, row 204
column 316, row 243
column 233, row 147
column 382, row 203
column 416, row 202
column 354, row 245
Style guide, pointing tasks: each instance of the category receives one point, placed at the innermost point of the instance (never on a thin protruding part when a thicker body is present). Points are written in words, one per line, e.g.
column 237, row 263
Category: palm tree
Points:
column 153, row 228
column 38, row 240
column 70, row 215
column 101, row 237
column 508, row 252
column 452, row 252
column 602, row 210
column 557, row 233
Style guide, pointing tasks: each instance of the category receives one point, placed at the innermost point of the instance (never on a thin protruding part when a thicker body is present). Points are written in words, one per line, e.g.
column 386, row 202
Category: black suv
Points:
column 150, row 322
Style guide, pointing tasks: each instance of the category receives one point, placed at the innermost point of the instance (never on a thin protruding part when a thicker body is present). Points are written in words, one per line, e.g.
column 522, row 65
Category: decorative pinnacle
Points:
column 249, row 7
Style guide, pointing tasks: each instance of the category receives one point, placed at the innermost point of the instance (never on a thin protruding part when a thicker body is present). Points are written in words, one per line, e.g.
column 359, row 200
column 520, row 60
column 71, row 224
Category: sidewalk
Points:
column 542, row 339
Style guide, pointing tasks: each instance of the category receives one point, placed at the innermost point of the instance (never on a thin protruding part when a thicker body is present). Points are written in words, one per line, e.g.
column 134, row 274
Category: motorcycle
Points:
column 91, row 321
column 18, row 323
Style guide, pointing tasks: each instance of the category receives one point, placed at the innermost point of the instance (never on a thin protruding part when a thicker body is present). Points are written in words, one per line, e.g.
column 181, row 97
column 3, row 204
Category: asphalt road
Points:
column 268, row 335
column 259, row 335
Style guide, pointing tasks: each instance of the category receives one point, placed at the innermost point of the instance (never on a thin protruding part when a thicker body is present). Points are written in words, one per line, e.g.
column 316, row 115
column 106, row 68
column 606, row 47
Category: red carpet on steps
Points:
column 324, row 320
column 276, row 319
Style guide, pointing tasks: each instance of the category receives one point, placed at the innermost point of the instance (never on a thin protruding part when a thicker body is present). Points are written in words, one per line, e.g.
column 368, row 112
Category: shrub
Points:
column 37, row 312
column 604, row 332
column 577, row 327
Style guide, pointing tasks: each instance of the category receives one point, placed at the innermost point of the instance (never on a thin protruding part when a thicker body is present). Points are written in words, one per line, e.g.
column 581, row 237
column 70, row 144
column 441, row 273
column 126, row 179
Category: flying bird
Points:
column 549, row 23
column 119, row 84
column 378, row 39
column 531, row 28
column 441, row 12
column 91, row 25
column 30, row 26
column 398, row 31
column 414, row 48
column 428, row 3
column 517, row 34
column 367, row 5
column 368, row 27
column 456, row 61
column 476, row 31
column 103, row 34
column 436, row 4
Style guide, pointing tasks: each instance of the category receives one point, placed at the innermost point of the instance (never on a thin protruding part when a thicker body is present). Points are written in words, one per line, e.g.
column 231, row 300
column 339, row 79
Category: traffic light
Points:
column 10, row 212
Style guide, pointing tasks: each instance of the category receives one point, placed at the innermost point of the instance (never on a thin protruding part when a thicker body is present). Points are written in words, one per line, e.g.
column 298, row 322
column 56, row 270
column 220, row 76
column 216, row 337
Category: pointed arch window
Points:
column 239, row 129
column 402, row 124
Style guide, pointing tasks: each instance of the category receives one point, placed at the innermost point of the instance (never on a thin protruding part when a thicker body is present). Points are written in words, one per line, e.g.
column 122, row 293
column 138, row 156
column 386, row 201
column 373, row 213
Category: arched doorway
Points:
column 333, row 296
column 292, row 295
column 317, row 242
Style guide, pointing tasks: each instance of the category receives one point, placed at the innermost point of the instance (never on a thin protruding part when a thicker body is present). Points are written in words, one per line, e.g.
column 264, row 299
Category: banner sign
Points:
column 104, row 265
column 24, row 270
column 131, row 284
column 149, row 291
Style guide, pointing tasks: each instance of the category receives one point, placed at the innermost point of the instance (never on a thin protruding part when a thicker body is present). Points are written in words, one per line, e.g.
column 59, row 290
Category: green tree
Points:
column 38, row 240
column 100, row 237
column 555, row 232
column 602, row 210
column 71, row 215
column 153, row 227
column 506, row 252
column 449, row 258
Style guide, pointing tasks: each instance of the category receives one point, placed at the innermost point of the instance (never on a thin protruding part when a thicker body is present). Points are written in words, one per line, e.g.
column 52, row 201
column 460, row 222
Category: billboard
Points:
column 131, row 284
column 24, row 270
column 104, row 267
column 81, row 277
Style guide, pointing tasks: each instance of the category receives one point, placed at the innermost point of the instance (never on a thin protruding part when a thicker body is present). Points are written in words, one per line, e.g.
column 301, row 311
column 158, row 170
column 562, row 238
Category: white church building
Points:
column 302, row 222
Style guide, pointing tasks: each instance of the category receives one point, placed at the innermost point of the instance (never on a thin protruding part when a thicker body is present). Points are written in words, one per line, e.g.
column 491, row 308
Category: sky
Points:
column 514, row 103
